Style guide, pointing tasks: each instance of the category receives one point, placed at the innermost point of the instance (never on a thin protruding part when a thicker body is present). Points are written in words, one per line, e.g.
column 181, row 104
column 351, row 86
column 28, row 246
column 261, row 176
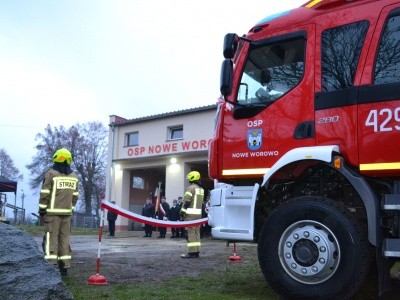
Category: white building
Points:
column 156, row 150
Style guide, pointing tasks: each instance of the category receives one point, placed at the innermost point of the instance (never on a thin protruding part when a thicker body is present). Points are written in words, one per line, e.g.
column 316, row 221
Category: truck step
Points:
column 391, row 248
column 391, row 202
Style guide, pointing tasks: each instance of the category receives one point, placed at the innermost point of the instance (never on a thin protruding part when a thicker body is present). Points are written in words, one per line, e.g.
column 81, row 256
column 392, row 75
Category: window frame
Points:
column 395, row 13
column 171, row 130
column 327, row 85
column 275, row 41
column 136, row 179
column 127, row 138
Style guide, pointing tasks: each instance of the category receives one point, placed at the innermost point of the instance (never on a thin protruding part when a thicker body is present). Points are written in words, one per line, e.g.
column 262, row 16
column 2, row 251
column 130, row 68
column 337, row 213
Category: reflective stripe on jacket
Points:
column 193, row 200
column 59, row 193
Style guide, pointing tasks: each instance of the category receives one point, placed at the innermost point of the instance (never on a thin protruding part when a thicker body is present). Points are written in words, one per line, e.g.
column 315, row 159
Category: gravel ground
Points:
column 129, row 257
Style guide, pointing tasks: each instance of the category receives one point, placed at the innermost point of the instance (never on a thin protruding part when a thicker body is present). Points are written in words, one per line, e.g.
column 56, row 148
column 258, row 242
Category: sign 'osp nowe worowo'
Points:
column 166, row 148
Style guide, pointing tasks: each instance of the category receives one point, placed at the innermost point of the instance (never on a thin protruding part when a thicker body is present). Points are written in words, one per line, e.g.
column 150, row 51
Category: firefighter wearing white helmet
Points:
column 58, row 198
column 191, row 210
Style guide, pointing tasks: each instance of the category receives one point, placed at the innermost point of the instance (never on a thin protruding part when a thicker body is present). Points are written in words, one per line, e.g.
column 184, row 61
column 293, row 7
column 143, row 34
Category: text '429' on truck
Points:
column 306, row 151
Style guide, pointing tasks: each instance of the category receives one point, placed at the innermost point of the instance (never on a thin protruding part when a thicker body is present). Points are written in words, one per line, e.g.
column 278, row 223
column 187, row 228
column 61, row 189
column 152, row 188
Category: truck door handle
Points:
column 304, row 130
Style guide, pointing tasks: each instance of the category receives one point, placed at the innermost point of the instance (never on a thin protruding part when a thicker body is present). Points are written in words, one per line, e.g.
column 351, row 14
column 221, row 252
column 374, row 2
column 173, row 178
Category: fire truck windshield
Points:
column 271, row 70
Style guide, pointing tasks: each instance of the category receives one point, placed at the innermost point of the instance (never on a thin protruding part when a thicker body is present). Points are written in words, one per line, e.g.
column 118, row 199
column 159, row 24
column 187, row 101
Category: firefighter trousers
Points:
column 58, row 232
column 193, row 239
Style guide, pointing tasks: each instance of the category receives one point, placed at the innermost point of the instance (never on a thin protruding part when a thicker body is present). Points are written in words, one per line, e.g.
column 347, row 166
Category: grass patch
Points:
column 233, row 281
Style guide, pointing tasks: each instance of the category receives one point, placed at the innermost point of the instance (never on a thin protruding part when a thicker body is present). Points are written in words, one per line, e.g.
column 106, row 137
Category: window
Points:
column 388, row 58
column 341, row 49
column 175, row 133
column 138, row 182
column 272, row 69
column 132, row 139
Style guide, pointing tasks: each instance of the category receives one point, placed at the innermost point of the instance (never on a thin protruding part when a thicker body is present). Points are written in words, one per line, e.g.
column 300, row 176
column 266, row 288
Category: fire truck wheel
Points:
column 313, row 248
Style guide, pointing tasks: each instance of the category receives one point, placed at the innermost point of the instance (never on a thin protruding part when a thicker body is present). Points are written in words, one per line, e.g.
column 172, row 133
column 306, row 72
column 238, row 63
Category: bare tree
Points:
column 50, row 140
column 7, row 167
column 90, row 154
column 88, row 145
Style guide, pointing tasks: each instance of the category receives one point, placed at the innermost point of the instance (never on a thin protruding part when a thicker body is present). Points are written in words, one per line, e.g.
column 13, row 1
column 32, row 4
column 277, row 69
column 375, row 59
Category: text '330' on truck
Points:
column 306, row 150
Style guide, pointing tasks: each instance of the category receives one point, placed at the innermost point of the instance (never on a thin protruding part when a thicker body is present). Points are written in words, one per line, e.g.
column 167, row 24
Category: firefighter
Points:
column 58, row 197
column 191, row 210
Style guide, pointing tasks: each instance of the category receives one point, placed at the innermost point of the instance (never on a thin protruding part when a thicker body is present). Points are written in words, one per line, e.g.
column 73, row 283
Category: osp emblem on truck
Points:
column 254, row 138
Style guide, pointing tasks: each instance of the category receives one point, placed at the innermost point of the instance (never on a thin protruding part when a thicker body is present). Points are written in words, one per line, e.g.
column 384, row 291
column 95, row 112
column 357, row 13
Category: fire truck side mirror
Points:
column 226, row 77
column 231, row 41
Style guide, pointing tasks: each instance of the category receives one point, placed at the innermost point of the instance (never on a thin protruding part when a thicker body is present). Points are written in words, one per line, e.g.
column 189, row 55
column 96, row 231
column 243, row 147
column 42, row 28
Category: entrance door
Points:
column 143, row 184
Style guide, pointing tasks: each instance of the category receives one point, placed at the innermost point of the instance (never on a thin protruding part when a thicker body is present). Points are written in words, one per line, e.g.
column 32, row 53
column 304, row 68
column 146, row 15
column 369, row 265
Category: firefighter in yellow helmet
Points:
column 191, row 210
column 58, row 198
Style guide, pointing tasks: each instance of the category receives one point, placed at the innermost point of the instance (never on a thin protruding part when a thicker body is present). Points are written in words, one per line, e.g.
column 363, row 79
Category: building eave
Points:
column 123, row 122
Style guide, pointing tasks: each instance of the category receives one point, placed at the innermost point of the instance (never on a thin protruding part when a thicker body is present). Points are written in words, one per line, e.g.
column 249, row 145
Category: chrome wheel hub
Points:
column 309, row 252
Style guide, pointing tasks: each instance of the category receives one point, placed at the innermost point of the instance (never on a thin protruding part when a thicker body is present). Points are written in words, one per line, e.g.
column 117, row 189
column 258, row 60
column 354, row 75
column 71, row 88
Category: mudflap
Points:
column 383, row 265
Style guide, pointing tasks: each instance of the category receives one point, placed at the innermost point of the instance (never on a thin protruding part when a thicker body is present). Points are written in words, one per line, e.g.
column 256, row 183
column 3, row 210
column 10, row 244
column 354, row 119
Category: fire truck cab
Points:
column 305, row 155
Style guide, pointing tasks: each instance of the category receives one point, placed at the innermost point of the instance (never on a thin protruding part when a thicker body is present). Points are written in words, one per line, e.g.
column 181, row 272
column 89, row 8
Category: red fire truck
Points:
column 306, row 151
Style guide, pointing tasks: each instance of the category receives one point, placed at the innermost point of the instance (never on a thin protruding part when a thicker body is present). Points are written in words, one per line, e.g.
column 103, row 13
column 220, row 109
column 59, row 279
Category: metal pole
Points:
column 99, row 279
column 15, row 209
column 23, row 210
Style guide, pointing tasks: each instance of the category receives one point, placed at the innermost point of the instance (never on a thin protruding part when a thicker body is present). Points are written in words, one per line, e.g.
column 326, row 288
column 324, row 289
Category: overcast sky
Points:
column 64, row 62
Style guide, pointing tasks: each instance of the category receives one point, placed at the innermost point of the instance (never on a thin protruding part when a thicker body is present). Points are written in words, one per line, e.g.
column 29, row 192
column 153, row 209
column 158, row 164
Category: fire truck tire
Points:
column 313, row 248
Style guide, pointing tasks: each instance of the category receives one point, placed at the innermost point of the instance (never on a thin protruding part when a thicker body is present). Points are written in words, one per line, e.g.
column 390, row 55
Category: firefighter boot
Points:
column 191, row 255
column 63, row 270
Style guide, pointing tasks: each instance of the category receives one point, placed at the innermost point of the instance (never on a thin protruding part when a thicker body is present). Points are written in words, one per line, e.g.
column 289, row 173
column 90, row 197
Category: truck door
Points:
column 342, row 35
column 379, row 99
column 275, row 96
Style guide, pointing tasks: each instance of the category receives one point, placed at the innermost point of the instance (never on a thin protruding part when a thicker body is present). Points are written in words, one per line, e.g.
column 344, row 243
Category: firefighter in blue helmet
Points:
column 58, row 198
column 191, row 210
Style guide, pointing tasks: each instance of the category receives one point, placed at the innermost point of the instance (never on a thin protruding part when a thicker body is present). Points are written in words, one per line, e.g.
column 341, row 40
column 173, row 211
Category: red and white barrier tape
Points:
column 150, row 221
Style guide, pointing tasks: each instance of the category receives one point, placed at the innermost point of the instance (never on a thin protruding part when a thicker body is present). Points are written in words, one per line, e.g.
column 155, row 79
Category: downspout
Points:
column 111, row 161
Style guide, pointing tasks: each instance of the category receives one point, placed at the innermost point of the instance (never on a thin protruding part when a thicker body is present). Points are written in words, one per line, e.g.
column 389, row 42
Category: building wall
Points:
column 153, row 155
column 153, row 136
